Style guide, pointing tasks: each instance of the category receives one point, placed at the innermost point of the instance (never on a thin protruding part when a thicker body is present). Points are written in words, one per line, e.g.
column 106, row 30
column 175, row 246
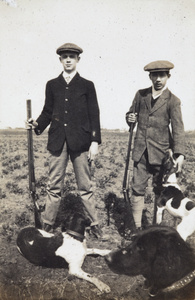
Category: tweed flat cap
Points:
column 69, row 47
column 159, row 65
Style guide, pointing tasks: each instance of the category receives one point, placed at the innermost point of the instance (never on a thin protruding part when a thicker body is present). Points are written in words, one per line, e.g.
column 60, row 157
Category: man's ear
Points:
column 60, row 59
column 149, row 76
column 79, row 58
column 169, row 75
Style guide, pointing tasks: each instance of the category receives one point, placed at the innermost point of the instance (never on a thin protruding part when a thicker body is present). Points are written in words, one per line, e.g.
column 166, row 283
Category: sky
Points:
column 119, row 37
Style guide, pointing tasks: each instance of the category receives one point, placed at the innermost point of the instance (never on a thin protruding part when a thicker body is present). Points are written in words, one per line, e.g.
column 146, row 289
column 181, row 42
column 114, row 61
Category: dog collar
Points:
column 180, row 283
column 75, row 234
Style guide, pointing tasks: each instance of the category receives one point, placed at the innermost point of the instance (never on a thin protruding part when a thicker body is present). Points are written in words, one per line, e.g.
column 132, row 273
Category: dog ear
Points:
column 167, row 262
column 164, row 270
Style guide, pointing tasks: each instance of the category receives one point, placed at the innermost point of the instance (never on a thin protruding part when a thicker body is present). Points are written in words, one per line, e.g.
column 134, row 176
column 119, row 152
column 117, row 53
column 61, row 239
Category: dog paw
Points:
column 104, row 288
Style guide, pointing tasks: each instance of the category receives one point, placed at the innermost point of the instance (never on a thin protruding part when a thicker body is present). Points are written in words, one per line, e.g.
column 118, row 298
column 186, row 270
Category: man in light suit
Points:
column 154, row 109
column 71, row 109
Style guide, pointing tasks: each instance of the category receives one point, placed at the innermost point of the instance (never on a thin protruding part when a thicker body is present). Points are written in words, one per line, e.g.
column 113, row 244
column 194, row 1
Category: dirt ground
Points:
column 20, row 280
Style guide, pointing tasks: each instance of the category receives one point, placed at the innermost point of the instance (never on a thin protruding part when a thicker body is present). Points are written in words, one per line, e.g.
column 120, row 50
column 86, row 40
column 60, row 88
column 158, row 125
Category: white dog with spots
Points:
column 173, row 200
column 60, row 250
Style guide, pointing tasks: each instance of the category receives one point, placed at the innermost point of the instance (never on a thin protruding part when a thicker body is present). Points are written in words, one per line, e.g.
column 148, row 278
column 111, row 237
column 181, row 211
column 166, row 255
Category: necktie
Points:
column 68, row 79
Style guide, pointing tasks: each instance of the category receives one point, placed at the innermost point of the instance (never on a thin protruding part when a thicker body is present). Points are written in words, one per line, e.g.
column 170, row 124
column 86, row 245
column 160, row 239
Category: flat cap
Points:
column 158, row 66
column 69, row 47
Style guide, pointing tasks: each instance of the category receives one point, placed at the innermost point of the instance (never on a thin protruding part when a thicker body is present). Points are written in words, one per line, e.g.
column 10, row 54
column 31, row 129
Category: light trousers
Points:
column 142, row 171
column 57, row 171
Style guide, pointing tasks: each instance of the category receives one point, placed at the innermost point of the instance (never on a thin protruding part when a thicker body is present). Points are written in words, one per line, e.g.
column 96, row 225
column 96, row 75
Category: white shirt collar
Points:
column 156, row 94
column 71, row 75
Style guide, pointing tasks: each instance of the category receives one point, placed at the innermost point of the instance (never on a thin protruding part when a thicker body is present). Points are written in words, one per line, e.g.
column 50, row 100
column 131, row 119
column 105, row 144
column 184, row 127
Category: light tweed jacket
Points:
column 158, row 128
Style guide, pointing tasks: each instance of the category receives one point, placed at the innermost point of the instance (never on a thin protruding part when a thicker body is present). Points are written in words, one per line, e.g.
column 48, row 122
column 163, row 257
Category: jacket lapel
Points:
column 147, row 99
column 161, row 100
column 75, row 78
column 61, row 79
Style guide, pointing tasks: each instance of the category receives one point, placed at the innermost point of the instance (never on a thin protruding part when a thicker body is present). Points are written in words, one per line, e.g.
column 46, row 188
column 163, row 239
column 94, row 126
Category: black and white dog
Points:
column 165, row 260
column 173, row 200
column 61, row 250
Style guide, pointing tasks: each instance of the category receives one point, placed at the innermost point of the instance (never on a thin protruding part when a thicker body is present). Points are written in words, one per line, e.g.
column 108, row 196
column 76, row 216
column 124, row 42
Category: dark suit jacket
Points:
column 73, row 112
column 153, row 130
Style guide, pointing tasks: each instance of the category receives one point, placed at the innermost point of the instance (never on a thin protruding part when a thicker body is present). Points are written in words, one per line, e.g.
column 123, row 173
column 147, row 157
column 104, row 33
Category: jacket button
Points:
column 66, row 112
column 65, row 125
column 66, row 99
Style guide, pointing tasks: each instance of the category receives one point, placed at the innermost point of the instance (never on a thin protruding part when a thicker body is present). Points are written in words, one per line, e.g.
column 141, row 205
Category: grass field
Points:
column 20, row 280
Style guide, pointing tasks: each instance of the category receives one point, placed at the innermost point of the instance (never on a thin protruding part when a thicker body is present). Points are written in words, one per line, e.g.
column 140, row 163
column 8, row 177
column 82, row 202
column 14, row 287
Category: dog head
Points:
column 76, row 222
column 170, row 192
column 157, row 253
column 169, row 166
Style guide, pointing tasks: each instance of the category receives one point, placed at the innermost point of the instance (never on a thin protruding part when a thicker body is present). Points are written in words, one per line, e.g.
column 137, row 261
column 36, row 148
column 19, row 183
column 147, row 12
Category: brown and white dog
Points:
column 173, row 200
column 61, row 250
column 165, row 260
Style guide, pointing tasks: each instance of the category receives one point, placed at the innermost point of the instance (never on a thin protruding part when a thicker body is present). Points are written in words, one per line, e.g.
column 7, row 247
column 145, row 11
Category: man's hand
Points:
column 131, row 118
column 31, row 123
column 179, row 162
column 93, row 151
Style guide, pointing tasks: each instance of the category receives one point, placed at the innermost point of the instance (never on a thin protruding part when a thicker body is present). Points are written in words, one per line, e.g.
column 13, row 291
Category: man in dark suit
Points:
column 154, row 109
column 71, row 109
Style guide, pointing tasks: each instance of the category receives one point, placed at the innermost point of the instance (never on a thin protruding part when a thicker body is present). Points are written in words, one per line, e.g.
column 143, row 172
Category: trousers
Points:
column 57, row 170
column 142, row 171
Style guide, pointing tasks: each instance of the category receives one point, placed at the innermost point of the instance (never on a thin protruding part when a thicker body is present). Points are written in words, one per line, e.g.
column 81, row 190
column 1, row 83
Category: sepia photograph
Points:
column 97, row 150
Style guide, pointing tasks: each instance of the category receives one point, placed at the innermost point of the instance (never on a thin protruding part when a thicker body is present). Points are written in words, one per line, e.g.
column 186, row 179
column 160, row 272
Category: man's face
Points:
column 159, row 79
column 69, row 61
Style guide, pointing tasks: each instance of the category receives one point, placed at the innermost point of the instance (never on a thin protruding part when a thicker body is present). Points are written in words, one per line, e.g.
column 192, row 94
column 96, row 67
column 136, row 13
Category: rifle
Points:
column 32, row 186
column 129, row 222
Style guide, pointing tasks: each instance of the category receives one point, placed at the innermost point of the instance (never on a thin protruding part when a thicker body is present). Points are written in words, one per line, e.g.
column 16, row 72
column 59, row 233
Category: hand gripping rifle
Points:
column 32, row 186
